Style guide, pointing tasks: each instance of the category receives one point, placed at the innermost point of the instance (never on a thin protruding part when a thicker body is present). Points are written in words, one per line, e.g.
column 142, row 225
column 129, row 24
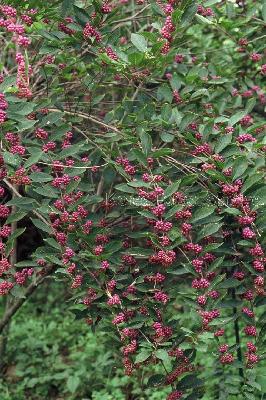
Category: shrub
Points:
column 133, row 140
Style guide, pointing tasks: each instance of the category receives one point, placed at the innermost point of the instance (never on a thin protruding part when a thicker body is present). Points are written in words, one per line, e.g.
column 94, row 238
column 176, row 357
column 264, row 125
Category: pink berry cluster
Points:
column 168, row 27
column 23, row 77
column 3, row 108
column 10, row 22
column 63, row 26
column 10, row 279
column 90, row 32
column 205, row 11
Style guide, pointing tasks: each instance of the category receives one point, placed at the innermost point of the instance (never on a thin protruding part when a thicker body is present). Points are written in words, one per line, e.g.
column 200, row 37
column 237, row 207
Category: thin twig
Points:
column 19, row 302
column 99, row 191
column 132, row 16
column 88, row 117
column 14, row 190
column 72, row 166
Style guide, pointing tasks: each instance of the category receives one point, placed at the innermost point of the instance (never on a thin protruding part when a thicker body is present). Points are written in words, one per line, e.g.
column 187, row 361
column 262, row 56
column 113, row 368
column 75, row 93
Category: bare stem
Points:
column 19, row 302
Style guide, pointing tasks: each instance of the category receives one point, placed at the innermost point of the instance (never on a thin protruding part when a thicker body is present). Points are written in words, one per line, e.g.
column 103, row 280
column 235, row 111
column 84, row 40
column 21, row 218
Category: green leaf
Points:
column 212, row 247
column 174, row 234
column 113, row 246
column 11, row 159
column 172, row 211
column 18, row 292
column 21, row 201
column 17, row 216
column 171, row 189
column 189, row 14
column 40, row 177
column 135, row 58
column 9, row 81
column 232, row 211
column 189, row 382
column 140, row 202
column 73, row 383
column 80, row 15
column 16, row 234
column 177, row 116
column 162, row 355
column 230, row 10
column 166, row 112
column 202, row 212
column 41, row 225
column 263, row 11
column 47, row 35
column 252, row 180
column 220, row 119
column 11, row 240
column 34, row 158
column 53, row 259
column 176, row 15
column 204, row 20
column 236, row 118
column 140, row 252
column 46, row 191
column 259, row 197
column 53, row 243
column 261, row 379
column 143, row 356
column 71, row 150
column 140, row 156
column 146, row 142
column 156, row 380
column 199, row 94
column 229, row 283
column 239, row 167
column 249, row 396
column 211, row 2
column 157, row 10
column 162, row 153
column 94, row 199
column 17, row 110
column 139, row 42
column 223, row 142
column 221, row 321
column 229, row 303
column 138, row 184
column 165, row 93
column 123, row 187
column 26, row 263
column 66, row 6
column 180, row 271
column 250, row 105
column 167, row 137
column 25, row 125
column 186, row 120
column 51, row 118
column 209, row 230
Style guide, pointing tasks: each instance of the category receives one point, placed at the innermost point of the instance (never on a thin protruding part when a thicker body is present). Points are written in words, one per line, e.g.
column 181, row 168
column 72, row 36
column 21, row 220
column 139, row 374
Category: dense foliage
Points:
column 49, row 357
column 133, row 154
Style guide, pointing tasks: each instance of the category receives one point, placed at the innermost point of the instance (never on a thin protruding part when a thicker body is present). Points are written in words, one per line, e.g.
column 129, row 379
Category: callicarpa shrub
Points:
column 132, row 138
